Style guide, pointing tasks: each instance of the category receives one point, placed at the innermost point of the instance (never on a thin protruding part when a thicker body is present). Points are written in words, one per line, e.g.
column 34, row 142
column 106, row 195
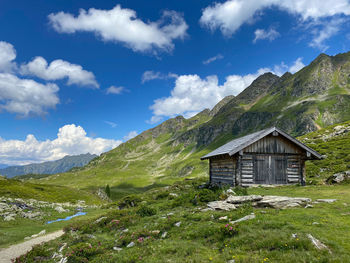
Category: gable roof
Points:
column 239, row 144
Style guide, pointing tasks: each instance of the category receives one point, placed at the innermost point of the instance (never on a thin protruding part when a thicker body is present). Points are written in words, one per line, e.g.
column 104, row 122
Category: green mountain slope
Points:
column 315, row 97
column 59, row 166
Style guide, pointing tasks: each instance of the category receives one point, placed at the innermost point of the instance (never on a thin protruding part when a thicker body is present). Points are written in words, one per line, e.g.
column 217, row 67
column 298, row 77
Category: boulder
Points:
column 131, row 244
column 317, row 243
column 243, row 199
column 221, row 205
column 9, row 217
column 59, row 209
column 282, row 202
column 329, row 201
column 245, row 218
column 178, row 224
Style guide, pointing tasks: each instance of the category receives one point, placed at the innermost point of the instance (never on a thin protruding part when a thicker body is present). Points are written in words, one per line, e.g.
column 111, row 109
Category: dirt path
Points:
column 19, row 249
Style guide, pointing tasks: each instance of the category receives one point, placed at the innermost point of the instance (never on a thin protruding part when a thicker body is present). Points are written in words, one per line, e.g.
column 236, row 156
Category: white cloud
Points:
column 193, row 94
column 130, row 135
column 324, row 31
column 232, row 14
column 7, row 56
column 115, row 90
column 297, row 65
column 122, row 25
column 262, row 34
column 71, row 140
column 26, row 96
column 212, row 59
column 112, row 124
column 152, row 75
column 59, row 69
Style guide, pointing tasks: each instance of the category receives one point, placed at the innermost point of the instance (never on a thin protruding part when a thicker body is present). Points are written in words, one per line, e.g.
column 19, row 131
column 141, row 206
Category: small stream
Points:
column 67, row 218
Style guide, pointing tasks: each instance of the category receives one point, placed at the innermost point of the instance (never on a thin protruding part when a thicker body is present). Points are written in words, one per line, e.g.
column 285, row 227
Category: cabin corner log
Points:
column 266, row 157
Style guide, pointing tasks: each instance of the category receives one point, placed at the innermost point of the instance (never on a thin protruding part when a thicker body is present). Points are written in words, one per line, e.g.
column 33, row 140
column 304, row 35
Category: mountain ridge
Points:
column 51, row 167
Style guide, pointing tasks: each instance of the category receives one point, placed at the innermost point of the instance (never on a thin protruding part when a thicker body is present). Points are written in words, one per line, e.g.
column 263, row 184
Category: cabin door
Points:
column 270, row 169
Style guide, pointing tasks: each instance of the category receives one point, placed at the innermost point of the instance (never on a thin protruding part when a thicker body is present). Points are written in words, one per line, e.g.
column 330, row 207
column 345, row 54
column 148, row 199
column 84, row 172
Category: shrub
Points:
column 129, row 201
column 82, row 252
column 229, row 230
column 206, row 195
column 146, row 211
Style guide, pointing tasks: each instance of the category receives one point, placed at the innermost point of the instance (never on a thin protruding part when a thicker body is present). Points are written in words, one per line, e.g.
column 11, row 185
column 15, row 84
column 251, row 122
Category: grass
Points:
column 51, row 193
column 12, row 232
column 202, row 237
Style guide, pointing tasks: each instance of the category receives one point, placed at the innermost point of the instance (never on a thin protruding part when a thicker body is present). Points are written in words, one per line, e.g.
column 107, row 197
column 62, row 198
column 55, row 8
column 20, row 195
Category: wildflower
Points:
column 210, row 258
column 140, row 239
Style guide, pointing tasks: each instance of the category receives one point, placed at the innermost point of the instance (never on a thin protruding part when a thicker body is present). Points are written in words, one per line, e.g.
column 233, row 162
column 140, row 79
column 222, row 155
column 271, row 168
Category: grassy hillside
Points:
column 51, row 193
column 202, row 236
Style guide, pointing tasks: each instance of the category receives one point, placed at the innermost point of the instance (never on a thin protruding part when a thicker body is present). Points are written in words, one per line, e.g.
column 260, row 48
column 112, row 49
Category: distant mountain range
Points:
column 52, row 167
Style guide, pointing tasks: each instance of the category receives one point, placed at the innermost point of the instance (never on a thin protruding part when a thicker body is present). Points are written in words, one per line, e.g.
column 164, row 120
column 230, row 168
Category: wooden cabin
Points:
column 269, row 156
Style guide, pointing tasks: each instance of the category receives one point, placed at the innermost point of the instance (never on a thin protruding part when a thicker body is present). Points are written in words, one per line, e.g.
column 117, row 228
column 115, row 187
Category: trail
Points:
column 17, row 250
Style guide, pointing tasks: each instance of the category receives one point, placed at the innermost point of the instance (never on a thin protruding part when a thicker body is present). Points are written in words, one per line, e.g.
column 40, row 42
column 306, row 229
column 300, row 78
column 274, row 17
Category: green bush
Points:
column 206, row 195
column 82, row 252
column 229, row 230
column 146, row 211
column 129, row 201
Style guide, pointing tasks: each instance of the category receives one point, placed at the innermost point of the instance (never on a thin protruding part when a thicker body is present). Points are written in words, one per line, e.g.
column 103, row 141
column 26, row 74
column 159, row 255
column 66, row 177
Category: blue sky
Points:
column 117, row 68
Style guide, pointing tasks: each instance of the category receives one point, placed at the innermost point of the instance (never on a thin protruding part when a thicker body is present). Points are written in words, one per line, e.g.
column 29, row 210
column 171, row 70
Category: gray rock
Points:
column 329, row 201
column 173, row 194
column 131, row 244
column 100, row 219
column 117, row 248
column 282, row 202
column 59, row 209
column 243, row 199
column 245, row 218
column 178, row 224
column 9, row 217
column 164, row 235
column 230, row 191
column 221, row 205
column 337, row 178
column 223, row 218
column 317, row 243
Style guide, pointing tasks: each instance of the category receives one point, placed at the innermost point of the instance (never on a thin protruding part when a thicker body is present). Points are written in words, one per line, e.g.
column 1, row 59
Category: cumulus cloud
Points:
column 297, row 65
column 193, row 94
column 59, row 69
column 122, row 25
column 212, row 59
column 7, row 57
column 152, row 75
column 229, row 16
column 262, row 34
column 130, row 135
column 71, row 140
column 115, row 90
column 26, row 96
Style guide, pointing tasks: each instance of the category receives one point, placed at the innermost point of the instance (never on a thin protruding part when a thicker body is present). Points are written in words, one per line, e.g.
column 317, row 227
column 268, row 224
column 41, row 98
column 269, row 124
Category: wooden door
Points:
column 261, row 169
column 279, row 170
column 269, row 169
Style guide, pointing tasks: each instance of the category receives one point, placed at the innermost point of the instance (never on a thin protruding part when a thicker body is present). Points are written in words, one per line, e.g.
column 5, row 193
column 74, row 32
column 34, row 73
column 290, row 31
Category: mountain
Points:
column 52, row 167
column 315, row 97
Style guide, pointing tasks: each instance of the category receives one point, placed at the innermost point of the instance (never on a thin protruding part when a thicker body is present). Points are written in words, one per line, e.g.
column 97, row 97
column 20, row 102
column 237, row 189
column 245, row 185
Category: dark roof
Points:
column 236, row 145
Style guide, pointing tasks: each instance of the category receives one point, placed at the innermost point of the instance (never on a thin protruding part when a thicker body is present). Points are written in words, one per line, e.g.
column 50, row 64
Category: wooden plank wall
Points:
column 273, row 144
column 294, row 167
column 222, row 170
column 247, row 170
